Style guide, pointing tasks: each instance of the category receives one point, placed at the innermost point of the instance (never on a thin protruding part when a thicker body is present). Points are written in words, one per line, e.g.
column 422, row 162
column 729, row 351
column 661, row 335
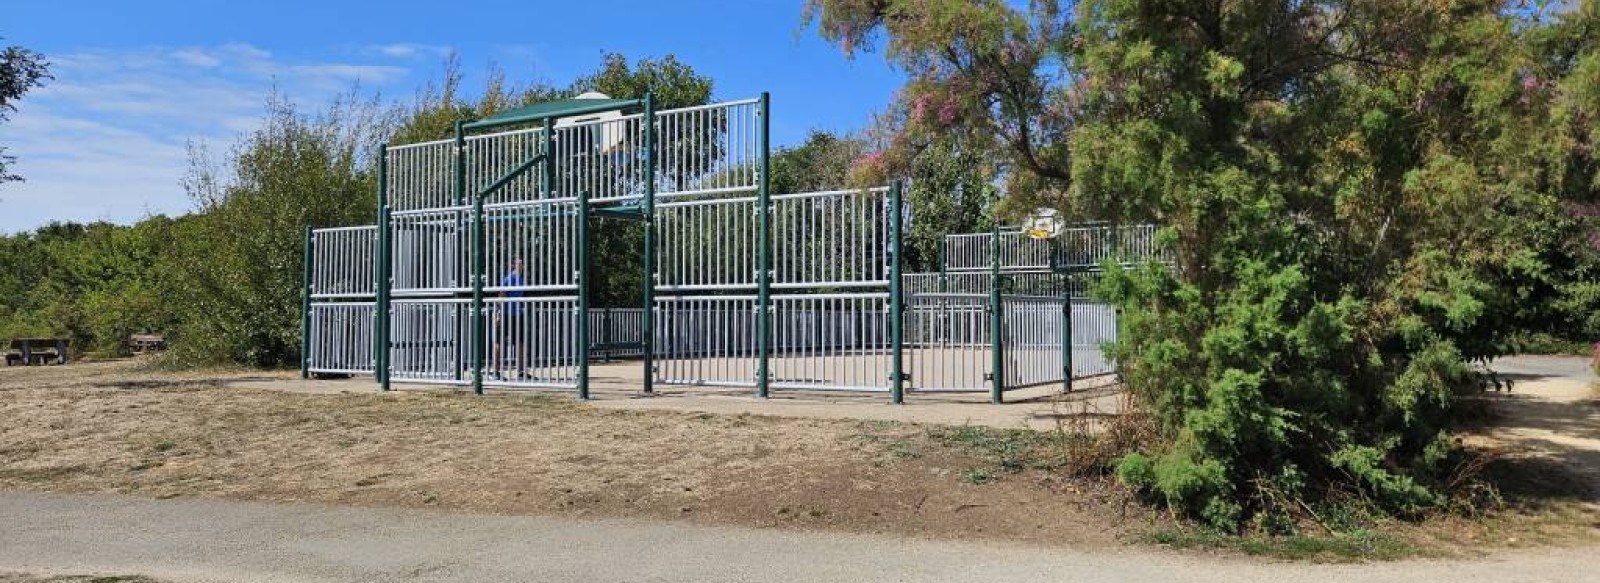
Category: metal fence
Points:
column 341, row 334
column 1074, row 249
column 476, row 274
column 339, row 300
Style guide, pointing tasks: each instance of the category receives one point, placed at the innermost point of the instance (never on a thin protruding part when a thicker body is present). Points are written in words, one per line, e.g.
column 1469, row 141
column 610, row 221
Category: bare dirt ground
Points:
column 114, row 427
column 122, row 428
column 27, row 578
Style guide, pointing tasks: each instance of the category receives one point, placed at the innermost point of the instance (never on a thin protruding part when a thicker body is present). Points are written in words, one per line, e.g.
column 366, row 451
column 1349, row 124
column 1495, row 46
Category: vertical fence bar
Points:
column 647, row 317
column 764, row 254
column 383, row 282
column 996, row 322
column 305, row 309
column 583, row 294
column 897, row 300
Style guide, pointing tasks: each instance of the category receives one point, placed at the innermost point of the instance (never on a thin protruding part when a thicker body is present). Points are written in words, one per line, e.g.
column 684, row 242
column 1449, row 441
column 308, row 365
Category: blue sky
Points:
column 136, row 80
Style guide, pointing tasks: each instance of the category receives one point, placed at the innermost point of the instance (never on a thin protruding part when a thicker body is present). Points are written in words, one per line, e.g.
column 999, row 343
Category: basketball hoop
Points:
column 1042, row 223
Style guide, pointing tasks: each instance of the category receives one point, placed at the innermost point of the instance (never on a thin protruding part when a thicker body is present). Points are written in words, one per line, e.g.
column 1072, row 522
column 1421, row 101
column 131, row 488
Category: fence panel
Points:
column 708, row 149
column 490, row 157
column 831, row 341
column 602, row 157
column 616, row 332
column 531, row 341
column 706, row 244
column 431, row 251
column 421, row 176
column 341, row 337
column 706, row 340
column 1093, row 325
column 342, row 262
column 947, row 346
column 530, row 246
column 1032, row 348
column 428, row 340
column 830, row 239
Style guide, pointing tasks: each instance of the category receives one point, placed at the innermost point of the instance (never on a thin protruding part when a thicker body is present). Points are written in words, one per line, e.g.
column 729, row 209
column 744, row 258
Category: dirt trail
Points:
column 1552, row 412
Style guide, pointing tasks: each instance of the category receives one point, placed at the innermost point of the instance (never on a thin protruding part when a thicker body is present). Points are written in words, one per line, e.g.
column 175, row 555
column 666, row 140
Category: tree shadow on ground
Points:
column 209, row 383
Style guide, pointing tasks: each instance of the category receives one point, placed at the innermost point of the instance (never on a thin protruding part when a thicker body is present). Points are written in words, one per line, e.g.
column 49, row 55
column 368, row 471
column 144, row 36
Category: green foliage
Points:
column 1362, row 197
column 240, row 258
column 20, row 71
column 224, row 282
column 1302, row 328
column 91, row 283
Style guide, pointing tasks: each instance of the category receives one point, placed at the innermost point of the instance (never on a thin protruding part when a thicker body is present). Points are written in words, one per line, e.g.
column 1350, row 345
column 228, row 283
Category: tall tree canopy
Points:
column 1349, row 187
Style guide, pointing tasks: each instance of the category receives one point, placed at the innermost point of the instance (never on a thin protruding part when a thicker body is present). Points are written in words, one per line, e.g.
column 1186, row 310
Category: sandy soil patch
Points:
column 98, row 427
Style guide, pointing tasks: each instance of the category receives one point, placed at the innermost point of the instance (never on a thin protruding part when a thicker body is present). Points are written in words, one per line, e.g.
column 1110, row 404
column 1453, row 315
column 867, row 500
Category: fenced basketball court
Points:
column 479, row 270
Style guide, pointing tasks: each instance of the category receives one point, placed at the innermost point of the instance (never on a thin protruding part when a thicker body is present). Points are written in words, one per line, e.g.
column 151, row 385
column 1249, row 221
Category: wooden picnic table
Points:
column 40, row 351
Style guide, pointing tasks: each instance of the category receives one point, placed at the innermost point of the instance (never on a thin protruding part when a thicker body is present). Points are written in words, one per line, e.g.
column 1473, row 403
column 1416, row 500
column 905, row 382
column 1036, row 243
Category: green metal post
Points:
column 996, row 322
column 1066, row 338
column 549, row 158
column 383, row 283
column 583, row 295
column 764, row 254
column 897, row 300
column 943, row 271
column 305, row 310
column 479, row 267
column 647, row 315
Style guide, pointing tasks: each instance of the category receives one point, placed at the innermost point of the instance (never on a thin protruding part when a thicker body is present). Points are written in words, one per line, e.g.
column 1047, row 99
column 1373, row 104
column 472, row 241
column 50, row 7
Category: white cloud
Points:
column 408, row 50
column 106, row 139
column 197, row 58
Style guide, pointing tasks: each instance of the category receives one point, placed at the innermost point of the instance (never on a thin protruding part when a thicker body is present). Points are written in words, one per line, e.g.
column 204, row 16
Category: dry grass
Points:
column 118, row 427
column 112, row 427
column 26, row 578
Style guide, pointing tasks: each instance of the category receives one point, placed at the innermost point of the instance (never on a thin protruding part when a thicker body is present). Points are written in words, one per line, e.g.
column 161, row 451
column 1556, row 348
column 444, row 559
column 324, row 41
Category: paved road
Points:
column 236, row 542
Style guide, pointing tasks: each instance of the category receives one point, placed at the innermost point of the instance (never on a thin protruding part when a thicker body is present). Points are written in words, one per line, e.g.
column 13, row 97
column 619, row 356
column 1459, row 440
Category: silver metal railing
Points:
column 341, row 337
column 342, row 262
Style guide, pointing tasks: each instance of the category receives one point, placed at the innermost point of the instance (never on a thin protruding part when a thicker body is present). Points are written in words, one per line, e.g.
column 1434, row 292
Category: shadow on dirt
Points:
column 209, row 383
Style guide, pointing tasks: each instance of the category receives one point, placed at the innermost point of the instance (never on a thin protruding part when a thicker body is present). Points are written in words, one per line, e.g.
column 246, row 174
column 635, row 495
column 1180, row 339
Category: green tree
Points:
column 20, row 71
column 240, row 258
column 1346, row 186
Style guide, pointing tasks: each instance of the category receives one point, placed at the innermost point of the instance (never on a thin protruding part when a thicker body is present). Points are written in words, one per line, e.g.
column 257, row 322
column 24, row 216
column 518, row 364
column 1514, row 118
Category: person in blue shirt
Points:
column 509, row 328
